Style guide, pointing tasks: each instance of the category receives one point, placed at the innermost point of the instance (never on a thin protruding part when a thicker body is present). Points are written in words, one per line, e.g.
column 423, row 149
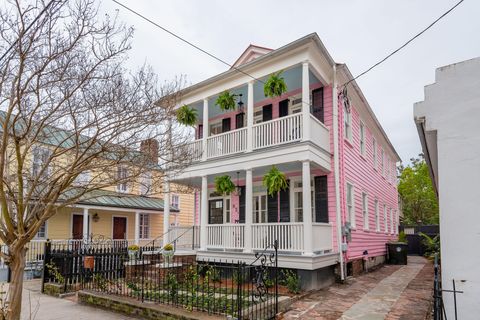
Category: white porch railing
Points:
column 322, row 237
column 226, row 236
column 195, row 149
column 227, row 143
column 185, row 237
column 289, row 236
column 278, row 131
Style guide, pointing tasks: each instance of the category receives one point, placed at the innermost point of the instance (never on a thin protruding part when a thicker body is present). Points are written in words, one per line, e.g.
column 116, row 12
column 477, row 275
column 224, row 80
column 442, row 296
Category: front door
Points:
column 77, row 226
column 119, row 228
column 260, row 208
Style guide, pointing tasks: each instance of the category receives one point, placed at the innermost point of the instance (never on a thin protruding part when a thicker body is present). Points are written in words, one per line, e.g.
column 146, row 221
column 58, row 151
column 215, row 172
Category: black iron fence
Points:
column 236, row 289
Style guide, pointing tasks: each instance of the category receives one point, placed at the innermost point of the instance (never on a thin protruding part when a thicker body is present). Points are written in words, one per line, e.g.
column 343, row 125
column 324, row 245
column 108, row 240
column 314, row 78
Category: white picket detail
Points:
column 227, row 143
column 278, row 131
column 226, row 236
column 194, row 149
column 289, row 236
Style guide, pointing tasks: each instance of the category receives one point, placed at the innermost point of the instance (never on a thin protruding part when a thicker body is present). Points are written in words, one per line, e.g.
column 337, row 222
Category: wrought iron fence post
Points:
column 143, row 276
column 193, row 238
column 275, row 246
column 46, row 259
column 437, row 312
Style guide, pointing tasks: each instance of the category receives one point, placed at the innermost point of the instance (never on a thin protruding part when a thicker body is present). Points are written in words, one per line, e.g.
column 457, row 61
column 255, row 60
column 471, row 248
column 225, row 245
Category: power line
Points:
column 28, row 28
column 405, row 44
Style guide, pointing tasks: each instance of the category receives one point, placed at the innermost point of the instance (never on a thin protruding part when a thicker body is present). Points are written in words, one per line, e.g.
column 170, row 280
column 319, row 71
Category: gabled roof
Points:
column 251, row 53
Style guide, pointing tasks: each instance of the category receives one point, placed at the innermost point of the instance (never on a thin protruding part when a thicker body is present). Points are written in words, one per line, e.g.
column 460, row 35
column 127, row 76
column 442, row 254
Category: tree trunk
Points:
column 14, row 295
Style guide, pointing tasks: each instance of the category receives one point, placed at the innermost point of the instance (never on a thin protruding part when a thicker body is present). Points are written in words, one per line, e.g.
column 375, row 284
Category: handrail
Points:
column 174, row 241
column 226, row 133
column 293, row 115
column 157, row 238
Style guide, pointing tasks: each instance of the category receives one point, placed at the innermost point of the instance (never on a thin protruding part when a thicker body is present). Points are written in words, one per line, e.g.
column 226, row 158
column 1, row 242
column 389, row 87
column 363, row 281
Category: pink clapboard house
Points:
column 341, row 207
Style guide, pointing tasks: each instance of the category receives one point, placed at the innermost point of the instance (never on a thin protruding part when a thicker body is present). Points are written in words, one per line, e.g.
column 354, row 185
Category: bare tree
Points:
column 69, row 106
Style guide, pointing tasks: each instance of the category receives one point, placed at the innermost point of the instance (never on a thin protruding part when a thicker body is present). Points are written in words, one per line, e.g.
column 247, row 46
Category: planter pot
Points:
column 89, row 262
column 132, row 254
column 168, row 255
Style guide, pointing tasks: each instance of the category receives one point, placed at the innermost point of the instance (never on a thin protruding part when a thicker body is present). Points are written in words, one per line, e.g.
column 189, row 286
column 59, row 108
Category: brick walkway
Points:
column 391, row 292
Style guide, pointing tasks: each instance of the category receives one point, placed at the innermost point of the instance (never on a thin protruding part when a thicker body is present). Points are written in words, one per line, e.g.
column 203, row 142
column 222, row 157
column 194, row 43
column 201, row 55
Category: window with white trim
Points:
column 385, row 218
column 362, row 138
column 122, row 174
column 216, row 128
column 297, row 189
column 350, row 205
column 42, row 232
column 383, row 162
column 391, row 221
column 377, row 216
column 146, row 183
column 365, row 211
column 374, row 146
column 82, row 179
column 347, row 119
column 144, row 226
column 175, row 201
column 40, row 159
column 387, row 169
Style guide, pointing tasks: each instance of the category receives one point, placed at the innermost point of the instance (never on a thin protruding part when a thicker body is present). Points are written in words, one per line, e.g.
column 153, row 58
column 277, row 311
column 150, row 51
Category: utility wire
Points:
column 28, row 28
column 254, row 78
column 405, row 44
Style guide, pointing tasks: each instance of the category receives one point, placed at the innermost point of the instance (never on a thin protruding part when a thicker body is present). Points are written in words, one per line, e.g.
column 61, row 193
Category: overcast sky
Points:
column 355, row 32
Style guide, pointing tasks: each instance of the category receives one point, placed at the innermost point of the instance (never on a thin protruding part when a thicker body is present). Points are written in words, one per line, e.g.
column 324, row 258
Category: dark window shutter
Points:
column 283, row 108
column 285, row 204
column 241, row 213
column 200, row 131
column 225, row 124
column 317, row 103
column 272, row 206
column 267, row 112
column 239, row 120
column 321, row 199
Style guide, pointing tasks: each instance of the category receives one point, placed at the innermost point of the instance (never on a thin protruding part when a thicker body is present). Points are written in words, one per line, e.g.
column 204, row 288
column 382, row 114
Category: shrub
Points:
column 432, row 245
column 291, row 281
column 402, row 237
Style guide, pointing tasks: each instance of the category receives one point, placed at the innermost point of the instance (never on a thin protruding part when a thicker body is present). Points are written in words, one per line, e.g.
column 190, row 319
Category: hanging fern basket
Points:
column 227, row 101
column 275, row 181
column 224, row 185
column 275, row 85
column 187, row 115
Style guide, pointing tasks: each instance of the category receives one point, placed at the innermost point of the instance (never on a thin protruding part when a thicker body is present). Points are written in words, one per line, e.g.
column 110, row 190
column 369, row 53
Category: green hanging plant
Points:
column 227, row 101
column 275, row 85
column 187, row 115
column 224, row 185
column 275, row 181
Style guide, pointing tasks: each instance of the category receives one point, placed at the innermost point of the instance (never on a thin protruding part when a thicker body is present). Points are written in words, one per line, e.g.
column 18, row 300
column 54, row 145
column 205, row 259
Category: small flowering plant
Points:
column 168, row 247
column 133, row 247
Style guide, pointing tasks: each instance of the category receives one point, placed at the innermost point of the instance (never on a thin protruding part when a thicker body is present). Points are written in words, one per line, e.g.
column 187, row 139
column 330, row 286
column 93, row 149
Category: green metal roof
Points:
column 104, row 198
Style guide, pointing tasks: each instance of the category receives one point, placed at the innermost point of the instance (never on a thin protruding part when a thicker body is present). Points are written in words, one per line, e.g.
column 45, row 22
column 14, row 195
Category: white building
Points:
column 449, row 129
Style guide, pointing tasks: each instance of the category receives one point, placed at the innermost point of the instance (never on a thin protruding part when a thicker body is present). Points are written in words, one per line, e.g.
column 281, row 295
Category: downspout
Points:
column 336, row 170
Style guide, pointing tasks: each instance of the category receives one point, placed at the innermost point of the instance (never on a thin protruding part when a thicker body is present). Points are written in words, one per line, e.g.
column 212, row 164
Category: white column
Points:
column 86, row 232
column 250, row 117
column 306, row 101
column 166, row 210
column 205, row 129
column 307, row 208
column 137, row 228
column 248, row 209
column 204, row 214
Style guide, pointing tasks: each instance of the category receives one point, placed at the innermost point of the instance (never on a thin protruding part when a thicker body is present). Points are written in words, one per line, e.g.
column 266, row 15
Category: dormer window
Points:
column 122, row 174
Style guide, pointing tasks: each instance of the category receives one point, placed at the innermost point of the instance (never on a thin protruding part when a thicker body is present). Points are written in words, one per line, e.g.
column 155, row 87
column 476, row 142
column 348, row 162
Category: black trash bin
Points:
column 397, row 252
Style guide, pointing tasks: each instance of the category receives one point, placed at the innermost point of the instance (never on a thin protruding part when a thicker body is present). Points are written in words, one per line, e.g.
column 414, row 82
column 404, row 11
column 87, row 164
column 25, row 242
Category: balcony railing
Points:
column 290, row 236
column 278, row 131
column 266, row 134
column 227, row 143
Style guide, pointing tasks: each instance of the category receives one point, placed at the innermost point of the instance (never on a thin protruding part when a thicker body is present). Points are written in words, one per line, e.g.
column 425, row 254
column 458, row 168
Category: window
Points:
column 42, row 232
column 216, row 128
column 227, row 210
column 383, row 163
column 122, row 174
column 396, row 222
column 40, row 159
column 144, row 226
column 146, row 183
column 377, row 216
column 394, row 172
column 365, row 211
column 348, row 123
column 175, row 201
column 82, row 179
column 374, row 146
column 362, row 138
column 260, row 208
column 387, row 169
column 385, row 218
column 298, row 199
column 350, row 205
column 391, row 221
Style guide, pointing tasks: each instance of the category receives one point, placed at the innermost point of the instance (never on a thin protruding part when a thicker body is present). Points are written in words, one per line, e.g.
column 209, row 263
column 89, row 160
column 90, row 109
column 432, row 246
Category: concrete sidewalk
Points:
column 391, row 292
column 42, row 307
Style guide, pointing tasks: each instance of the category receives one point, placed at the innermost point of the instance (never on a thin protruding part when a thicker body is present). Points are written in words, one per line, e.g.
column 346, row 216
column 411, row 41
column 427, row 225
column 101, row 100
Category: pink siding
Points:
column 359, row 171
